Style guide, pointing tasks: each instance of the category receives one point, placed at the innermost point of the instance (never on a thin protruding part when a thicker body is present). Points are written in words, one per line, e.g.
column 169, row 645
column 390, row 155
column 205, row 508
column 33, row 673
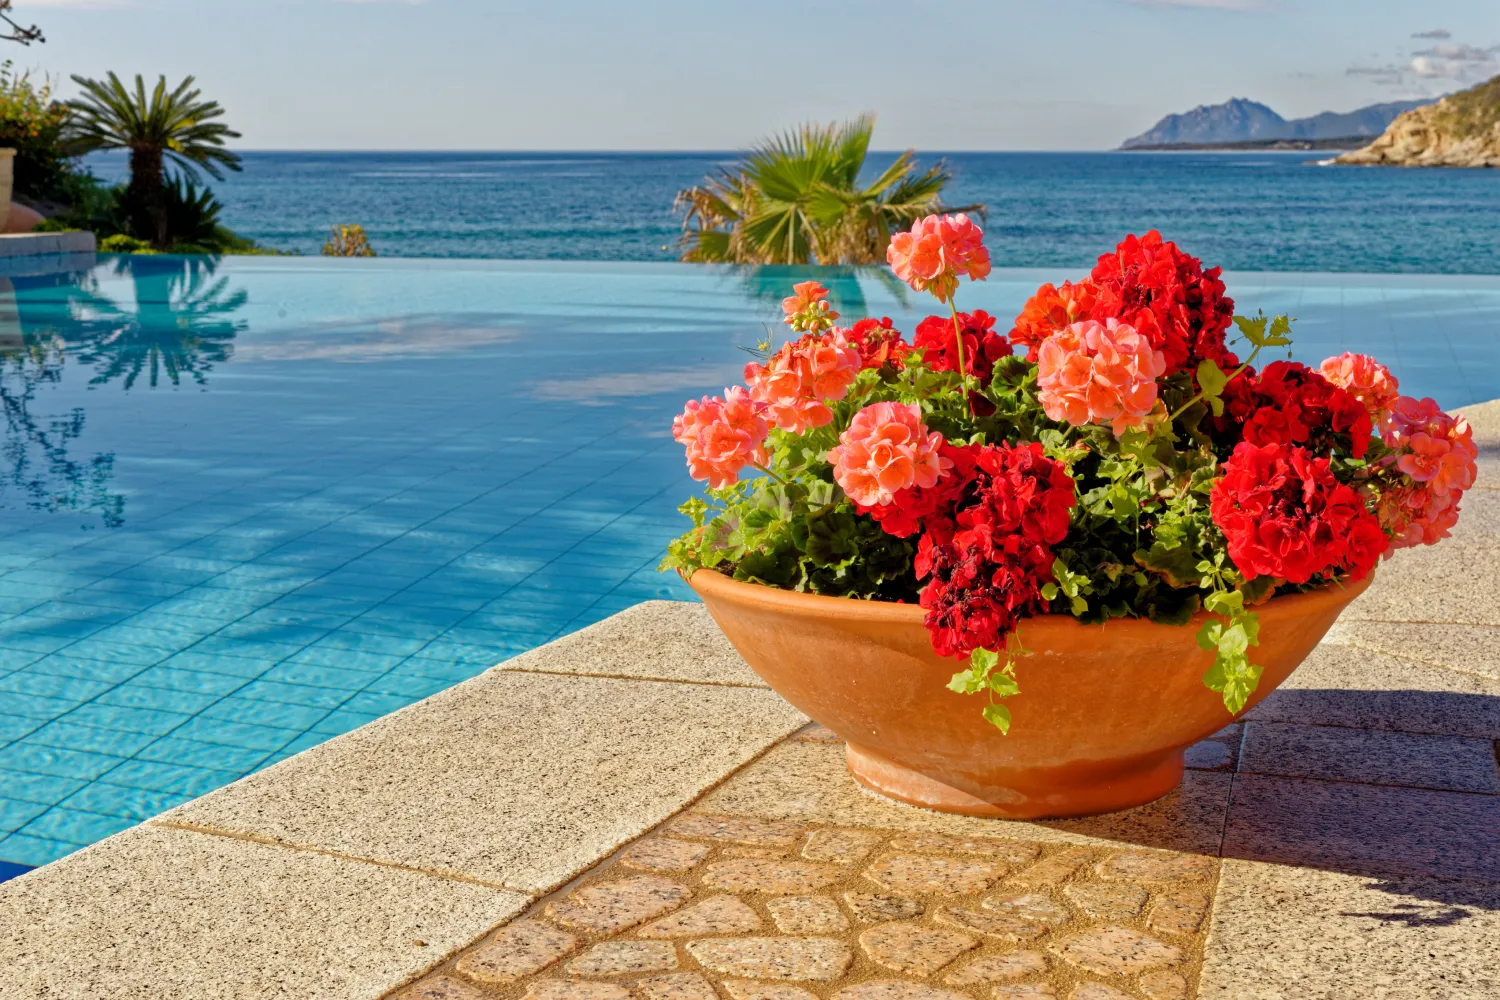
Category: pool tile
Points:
column 276, row 714
column 240, row 735
column 72, row 736
column 34, row 684
column 342, row 721
column 13, row 727
column 151, row 721
column 191, row 681
column 192, row 753
column 122, row 802
column 55, row 761
column 75, row 826
column 44, row 788
column 33, row 851
column 15, row 813
column 136, row 695
column 178, row 779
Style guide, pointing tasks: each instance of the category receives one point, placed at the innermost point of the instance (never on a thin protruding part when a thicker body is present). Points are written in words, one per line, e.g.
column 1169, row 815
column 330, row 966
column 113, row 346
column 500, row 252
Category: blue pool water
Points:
column 252, row 505
column 1262, row 211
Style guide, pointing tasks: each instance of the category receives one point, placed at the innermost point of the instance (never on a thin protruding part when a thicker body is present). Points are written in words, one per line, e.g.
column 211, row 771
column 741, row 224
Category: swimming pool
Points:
column 254, row 504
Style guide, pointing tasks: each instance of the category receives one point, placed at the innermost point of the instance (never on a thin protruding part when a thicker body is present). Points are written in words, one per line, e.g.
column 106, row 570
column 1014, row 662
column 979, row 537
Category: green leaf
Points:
column 1212, row 380
column 1255, row 330
column 997, row 716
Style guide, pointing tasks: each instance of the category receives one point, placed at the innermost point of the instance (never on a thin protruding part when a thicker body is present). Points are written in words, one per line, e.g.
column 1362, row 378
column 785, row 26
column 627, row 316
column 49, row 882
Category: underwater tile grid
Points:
column 253, row 504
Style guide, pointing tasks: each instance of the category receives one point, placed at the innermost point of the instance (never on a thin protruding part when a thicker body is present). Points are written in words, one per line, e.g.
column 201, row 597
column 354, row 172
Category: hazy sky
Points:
column 673, row 74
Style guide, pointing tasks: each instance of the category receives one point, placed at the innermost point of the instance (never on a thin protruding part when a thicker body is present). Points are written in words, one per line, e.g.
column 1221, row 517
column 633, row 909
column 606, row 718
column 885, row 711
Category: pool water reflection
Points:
column 253, row 504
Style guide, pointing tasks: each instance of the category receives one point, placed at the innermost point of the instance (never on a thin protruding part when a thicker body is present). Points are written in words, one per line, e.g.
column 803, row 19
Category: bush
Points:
column 31, row 122
column 120, row 243
column 348, row 241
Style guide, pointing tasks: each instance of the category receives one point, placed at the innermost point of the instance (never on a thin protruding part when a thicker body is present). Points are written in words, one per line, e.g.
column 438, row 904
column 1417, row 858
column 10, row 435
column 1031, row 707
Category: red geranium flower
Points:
column 1284, row 515
column 988, row 559
column 1189, row 312
column 879, row 342
column 1296, row 405
column 982, row 348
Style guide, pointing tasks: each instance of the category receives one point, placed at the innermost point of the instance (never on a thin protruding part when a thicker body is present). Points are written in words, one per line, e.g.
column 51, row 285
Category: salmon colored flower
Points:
column 1415, row 515
column 808, row 309
column 936, row 251
column 886, row 449
column 797, row 381
column 1432, row 447
column 1052, row 309
column 1099, row 373
column 1366, row 379
column 722, row 436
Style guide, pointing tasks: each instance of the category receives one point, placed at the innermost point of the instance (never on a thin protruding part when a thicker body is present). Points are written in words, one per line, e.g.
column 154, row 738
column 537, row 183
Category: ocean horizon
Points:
column 1249, row 211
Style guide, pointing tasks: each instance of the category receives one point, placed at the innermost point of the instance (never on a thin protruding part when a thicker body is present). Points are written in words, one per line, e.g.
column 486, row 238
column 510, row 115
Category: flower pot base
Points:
column 1045, row 796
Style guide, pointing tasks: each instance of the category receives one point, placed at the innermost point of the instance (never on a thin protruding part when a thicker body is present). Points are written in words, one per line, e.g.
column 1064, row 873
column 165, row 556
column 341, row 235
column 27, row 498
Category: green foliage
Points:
column 348, row 241
column 795, row 199
column 985, row 675
column 121, row 243
column 31, row 123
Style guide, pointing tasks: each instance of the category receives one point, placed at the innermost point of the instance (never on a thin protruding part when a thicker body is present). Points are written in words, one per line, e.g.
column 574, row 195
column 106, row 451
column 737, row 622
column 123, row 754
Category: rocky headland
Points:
column 1461, row 130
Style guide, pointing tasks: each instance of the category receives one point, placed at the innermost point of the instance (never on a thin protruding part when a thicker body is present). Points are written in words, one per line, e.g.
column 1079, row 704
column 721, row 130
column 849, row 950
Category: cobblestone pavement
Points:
column 733, row 908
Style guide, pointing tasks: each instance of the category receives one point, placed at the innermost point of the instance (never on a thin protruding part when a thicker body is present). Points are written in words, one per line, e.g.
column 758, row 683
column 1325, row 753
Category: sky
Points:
column 672, row 74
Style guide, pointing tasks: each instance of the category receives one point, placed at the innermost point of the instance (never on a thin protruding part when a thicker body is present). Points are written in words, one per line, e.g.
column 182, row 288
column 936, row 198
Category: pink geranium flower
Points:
column 1099, row 373
column 1415, row 515
column 1431, row 446
column 722, row 436
column 936, row 251
column 797, row 381
column 808, row 308
column 886, row 449
column 1367, row 380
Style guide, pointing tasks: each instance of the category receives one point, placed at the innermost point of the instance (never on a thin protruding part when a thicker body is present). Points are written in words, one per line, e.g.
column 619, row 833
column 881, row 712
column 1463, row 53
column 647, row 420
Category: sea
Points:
column 1255, row 211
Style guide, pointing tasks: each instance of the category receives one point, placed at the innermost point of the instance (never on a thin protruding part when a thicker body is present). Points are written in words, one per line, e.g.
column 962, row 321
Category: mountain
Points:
column 1461, row 130
column 1241, row 120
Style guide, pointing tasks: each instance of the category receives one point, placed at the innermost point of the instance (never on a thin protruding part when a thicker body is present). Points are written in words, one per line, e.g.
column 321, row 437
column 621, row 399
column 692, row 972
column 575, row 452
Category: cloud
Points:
column 1431, row 70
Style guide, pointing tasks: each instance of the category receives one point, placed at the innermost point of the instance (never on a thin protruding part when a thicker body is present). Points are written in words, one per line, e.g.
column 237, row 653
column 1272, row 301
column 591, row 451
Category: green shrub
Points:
column 31, row 123
column 348, row 241
column 120, row 243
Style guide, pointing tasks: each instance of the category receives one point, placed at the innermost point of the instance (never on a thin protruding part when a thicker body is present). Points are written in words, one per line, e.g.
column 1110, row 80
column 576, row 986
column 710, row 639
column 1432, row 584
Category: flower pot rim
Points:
column 799, row 604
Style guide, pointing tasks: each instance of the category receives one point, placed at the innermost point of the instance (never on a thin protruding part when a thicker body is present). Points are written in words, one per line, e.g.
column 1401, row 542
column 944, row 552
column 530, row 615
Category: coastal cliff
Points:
column 1461, row 130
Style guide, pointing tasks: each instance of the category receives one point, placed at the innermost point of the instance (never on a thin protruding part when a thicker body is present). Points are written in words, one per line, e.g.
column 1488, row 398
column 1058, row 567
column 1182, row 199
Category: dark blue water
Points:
column 1245, row 211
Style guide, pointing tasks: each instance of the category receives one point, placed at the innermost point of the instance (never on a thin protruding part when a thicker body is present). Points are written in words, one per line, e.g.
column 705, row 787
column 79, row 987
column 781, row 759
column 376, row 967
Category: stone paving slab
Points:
column 808, row 781
column 1469, row 649
column 1341, row 686
column 513, row 779
column 1295, row 933
column 1364, row 829
column 655, row 640
column 1451, row 583
column 160, row 914
column 978, row 916
column 1333, row 753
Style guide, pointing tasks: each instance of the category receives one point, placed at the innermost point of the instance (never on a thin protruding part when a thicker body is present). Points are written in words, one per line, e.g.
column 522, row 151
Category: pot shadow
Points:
column 1398, row 787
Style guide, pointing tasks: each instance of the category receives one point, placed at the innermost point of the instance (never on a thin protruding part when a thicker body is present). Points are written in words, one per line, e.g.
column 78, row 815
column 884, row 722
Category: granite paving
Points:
column 918, row 916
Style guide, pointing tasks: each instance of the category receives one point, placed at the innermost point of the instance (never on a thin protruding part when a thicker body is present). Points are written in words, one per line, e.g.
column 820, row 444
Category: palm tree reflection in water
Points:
column 182, row 324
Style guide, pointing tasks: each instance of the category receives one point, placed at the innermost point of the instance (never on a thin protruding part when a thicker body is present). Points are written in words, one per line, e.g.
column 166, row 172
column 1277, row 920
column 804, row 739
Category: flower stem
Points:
column 1184, row 407
column 963, row 368
column 762, row 468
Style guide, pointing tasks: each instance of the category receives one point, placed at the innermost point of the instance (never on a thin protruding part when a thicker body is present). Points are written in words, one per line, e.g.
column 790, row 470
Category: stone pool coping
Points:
column 1357, row 811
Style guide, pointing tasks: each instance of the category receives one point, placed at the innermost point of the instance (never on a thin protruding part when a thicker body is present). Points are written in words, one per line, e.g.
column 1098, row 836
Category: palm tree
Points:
column 175, row 126
column 795, row 199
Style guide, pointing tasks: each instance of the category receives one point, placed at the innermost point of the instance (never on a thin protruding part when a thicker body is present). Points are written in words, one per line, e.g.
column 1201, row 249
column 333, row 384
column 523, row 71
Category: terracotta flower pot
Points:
column 1104, row 714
